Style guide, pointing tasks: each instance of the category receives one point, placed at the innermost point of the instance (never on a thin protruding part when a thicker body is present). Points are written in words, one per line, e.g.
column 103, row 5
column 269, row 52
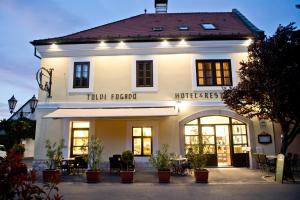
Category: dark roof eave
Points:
column 140, row 39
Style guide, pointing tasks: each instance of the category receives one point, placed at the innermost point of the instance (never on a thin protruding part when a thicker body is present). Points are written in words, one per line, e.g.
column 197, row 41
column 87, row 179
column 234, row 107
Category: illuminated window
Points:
column 213, row 73
column 142, row 141
column 79, row 138
column 81, row 75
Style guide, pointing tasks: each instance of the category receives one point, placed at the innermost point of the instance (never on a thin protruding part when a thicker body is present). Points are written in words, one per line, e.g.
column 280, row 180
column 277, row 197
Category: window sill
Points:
column 210, row 88
column 144, row 89
column 80, row 90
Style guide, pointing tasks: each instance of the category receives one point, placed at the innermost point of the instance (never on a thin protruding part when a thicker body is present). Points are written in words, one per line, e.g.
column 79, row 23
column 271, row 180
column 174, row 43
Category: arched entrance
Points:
column 227, row 137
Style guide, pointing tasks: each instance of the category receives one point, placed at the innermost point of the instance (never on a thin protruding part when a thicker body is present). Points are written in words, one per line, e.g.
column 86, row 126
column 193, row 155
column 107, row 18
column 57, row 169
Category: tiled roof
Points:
column 229, row 25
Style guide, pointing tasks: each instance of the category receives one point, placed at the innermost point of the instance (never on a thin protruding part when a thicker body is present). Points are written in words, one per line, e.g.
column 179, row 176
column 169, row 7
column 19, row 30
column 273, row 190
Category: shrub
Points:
column 161, row 160
column 54, row 153
column 95, row 151
column 127, row 159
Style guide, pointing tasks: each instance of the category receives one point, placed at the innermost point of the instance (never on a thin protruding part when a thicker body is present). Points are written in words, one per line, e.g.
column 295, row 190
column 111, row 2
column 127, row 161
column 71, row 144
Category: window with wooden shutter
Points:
column 144, row 73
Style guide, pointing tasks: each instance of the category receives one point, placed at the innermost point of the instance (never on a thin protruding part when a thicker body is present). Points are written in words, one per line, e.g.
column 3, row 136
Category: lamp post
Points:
column 12, row 102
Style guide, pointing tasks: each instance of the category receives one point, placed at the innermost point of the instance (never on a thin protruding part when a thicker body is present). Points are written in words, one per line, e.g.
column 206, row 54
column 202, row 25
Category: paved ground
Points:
column 143, row 191
column 224, row 183
column 216, row 176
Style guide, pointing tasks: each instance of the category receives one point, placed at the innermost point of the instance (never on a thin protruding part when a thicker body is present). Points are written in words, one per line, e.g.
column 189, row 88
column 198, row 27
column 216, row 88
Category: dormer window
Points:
column 184, row 28
column 157, row 28
column 208, row 26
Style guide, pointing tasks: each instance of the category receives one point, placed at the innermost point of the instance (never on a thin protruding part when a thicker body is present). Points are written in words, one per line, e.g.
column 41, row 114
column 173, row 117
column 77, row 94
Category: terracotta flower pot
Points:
column 201, row 175
column 127, row 176
column 164, row 176
column 51, row 175
column 93, row 176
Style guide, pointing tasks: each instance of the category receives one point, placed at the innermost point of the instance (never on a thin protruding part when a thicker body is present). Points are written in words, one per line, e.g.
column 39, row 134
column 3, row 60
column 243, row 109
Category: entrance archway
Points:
column 228, row 137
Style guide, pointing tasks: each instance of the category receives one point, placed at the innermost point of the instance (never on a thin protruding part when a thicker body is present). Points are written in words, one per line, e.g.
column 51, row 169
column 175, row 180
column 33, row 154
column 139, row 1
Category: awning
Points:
column 112, row 112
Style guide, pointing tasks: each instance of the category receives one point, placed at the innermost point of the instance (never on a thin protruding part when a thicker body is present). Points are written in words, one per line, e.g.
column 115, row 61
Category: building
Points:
column 149, row 80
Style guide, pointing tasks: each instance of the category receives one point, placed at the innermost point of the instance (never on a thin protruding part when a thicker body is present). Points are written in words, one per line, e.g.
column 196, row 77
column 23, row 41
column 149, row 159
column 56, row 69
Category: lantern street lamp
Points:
column 12, row 102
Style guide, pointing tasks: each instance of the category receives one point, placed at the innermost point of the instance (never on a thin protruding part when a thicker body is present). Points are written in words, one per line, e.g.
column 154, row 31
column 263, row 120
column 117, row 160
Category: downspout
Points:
column 35, row 54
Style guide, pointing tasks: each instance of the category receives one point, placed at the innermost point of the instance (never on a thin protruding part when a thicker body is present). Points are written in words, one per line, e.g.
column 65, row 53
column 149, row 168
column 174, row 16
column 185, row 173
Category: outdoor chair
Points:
column 115, row 163
column 256, row 157
column 80, row 164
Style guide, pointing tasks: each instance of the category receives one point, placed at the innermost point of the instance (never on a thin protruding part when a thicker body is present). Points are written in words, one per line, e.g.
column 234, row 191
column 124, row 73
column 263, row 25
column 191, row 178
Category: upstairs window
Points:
column 184, row 28
column 157, row 28
column 144, row 73
column 213, row 73
column 81, row 75
column 208, row 26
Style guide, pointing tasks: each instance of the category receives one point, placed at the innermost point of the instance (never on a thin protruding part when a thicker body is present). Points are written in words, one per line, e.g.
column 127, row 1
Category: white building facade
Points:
column 150, row 80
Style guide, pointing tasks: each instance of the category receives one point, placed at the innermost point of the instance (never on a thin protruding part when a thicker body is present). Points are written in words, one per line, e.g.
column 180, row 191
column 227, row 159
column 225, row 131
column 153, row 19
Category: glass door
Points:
column 208, row 140
column 223, row 145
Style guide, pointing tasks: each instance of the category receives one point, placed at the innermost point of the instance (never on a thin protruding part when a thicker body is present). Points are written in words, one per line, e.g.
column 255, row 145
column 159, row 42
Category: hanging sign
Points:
column 279, row 168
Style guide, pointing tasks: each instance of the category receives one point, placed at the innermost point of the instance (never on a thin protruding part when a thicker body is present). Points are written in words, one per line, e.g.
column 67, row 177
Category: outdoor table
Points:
column 179, row 166
column 68, row 165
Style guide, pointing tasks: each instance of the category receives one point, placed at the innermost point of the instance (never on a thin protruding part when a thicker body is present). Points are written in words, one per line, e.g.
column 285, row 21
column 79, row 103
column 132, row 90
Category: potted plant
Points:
column 19, row 150
column 127, row 171
column 161, row 161
column 198, row 161
column 54, row 155
column 94, row 159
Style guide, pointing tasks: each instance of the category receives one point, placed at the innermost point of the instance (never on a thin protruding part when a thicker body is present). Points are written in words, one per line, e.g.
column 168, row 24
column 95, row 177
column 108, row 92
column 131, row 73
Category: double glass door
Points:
column 224, row 138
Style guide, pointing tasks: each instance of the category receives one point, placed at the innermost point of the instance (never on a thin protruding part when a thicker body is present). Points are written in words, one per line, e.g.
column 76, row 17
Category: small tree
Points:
column 54, row 153
column 95, row 151
column 269, row 86
column 161, row 160
column 127, row 159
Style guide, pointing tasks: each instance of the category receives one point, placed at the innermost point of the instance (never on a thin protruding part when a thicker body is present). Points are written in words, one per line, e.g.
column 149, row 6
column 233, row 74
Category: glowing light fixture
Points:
column 248, row 42
column 165, row 43
column 182, row 42
column 121, row 44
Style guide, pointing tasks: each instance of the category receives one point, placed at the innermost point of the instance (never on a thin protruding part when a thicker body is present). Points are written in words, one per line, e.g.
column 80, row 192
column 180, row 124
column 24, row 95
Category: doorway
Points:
column 224, row 138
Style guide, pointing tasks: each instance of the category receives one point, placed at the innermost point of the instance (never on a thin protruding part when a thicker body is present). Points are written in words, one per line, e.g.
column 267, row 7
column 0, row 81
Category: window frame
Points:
column 72, row 140
column 142, row 140
column 144, row 85
column 214, row 76
column 81, row 75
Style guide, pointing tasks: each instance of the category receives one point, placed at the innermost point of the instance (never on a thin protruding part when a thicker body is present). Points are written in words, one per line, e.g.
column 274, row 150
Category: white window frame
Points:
column 134, row 87
column 90, row 89
column 197, row 88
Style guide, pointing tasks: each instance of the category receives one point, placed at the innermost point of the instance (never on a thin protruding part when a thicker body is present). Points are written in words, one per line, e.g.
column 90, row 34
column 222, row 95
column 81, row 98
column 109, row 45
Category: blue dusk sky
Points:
column 22, row 21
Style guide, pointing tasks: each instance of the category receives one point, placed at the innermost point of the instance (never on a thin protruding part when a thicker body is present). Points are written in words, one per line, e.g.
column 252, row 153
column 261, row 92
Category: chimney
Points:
column 161, row 6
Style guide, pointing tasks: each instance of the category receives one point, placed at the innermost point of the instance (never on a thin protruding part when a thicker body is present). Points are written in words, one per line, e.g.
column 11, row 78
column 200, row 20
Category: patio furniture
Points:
column 80, row 164
column 179, row 166
column 67, row 166
column 115, row 163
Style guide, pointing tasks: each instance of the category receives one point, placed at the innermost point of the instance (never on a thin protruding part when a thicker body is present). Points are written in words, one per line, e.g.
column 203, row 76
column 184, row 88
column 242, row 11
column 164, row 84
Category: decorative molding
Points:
column 145, row 104
column 136, row 89
column 71, row 76
column 212, row 57
column 141, row 48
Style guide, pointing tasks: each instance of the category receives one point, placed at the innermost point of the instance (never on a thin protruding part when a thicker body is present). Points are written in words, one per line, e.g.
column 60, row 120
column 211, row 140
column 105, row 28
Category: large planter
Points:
column 201, row 175
column 93, row 176
column 51, row 175
column 127, row 176
column 164, row 176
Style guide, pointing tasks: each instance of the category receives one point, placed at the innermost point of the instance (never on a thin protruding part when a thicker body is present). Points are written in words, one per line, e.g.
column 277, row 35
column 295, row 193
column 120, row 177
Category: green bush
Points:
column 127, row 159
column 95, row 151
column 197, row 157
column 161, row 160
column 18, row 148
column 54, row 153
